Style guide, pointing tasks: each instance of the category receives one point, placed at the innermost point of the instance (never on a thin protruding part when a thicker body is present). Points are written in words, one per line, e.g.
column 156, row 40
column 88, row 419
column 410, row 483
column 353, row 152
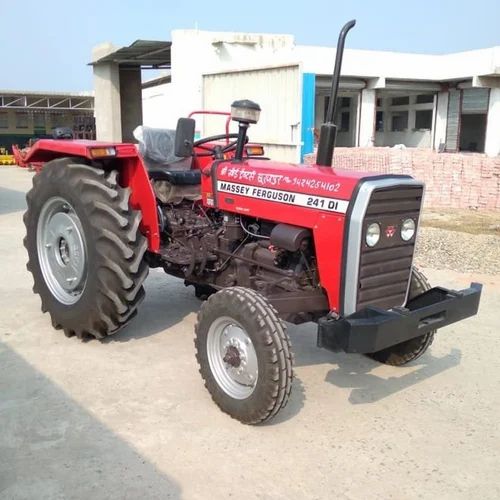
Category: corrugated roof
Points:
column 46, row 93
column 141, row 53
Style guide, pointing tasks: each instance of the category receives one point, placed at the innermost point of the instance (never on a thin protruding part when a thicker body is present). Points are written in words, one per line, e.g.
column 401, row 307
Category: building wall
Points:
column 30, row 125
column 453, row 180
column 23, row 125
column 195, row 53
column 399, row 65
column 492, row 140
column 411, row 136
column 130, row 102
column 440, row 120
column 218, row 52
column 157, row 106
column 345, row 136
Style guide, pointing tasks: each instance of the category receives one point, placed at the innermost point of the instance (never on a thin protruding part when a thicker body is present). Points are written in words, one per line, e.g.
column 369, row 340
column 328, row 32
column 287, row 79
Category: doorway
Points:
column 473, row 132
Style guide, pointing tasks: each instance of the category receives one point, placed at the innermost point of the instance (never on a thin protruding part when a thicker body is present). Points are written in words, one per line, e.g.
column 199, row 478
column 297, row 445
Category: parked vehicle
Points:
column 264, row 242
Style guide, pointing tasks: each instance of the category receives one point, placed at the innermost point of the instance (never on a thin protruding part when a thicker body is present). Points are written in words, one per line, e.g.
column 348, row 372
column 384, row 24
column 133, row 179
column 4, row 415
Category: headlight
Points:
column 372, row 234
column 407, row 229
column 245, row 111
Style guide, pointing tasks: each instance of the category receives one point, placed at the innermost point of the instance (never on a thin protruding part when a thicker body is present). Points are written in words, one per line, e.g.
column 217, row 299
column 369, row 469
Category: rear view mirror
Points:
column 184, row 137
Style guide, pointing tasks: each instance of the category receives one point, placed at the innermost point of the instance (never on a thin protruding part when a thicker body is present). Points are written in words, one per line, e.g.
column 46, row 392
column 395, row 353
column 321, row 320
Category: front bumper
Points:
column 373, row 329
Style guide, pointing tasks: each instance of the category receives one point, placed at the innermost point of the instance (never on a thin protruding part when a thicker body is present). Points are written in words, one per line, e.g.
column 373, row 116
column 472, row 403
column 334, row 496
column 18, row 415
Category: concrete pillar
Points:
column 107, row 96
column 492, row 142
column 130, row 102
column 368, row 103
column 441, row 111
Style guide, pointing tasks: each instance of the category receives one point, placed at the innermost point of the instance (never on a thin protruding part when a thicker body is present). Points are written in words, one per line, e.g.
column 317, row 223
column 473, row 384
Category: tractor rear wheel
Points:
column 244, row 354
column 85, row 250
column 400, row 354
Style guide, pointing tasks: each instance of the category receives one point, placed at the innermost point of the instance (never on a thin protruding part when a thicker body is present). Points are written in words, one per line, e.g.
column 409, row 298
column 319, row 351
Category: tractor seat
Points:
column 157, row 148
column 176, row 177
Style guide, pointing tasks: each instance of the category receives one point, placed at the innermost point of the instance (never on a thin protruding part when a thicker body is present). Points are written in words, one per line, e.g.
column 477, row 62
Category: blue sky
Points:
column 45, row 45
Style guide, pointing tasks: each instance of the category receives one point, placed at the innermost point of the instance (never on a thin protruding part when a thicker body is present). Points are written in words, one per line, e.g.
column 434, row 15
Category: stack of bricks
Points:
column 453, row 180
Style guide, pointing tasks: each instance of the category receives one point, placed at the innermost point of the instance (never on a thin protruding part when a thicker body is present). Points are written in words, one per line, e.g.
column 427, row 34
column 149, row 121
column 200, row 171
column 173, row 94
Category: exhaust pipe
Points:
column 328, row 133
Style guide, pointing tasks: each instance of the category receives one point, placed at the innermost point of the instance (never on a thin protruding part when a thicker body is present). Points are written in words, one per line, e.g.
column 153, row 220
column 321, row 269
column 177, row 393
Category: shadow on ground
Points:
column 366, row 387
column 294, row 405
column 354, row 371
column 51, row 447
column 167, row 303
column 11, row 201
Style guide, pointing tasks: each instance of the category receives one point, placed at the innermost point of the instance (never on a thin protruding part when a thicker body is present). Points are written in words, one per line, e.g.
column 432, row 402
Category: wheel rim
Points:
column 232, row 358
column 62, row 250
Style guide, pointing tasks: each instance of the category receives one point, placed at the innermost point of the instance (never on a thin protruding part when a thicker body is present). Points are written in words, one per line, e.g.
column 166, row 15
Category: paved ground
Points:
column 130, row 419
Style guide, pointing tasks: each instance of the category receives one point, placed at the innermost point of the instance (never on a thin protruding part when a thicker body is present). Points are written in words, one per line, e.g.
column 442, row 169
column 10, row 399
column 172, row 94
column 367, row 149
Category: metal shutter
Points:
column 453, row 121
column 278, row 92
column 475, row 100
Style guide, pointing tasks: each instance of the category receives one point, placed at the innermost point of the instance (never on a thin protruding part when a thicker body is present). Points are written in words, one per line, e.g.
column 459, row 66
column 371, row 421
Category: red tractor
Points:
column 264, row 242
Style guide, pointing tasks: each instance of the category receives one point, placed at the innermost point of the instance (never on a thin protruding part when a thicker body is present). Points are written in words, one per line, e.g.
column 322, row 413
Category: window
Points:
column 379, row 121
column 399, row 121
column 425, row 98
column 344, row 102
column 380, row 101
column 423, row 119
column 39, row 120
column 21, row 120
column 345, row 120
column 400, row 101
column 4, row 120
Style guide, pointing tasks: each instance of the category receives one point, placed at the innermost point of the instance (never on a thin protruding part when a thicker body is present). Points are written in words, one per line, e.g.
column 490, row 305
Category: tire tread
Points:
column 120, row 246
column 277, row 344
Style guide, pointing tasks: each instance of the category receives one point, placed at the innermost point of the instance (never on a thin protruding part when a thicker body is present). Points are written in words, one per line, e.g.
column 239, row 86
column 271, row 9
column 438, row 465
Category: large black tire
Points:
column 260, row 322
column 401, row 354
column 114, row 267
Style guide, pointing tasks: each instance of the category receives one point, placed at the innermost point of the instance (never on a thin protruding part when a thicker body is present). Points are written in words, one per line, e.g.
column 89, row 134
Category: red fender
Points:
column 132, row 171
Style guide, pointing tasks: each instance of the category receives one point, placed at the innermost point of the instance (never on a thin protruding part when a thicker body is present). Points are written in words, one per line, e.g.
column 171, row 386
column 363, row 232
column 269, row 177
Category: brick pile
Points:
column 453, row 180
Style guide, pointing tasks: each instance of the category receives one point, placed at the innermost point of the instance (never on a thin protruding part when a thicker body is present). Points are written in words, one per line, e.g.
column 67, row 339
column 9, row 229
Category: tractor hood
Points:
column 263, row 188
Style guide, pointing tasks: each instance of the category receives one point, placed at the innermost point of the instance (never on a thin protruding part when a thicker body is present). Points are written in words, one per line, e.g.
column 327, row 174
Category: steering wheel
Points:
column 216, row 150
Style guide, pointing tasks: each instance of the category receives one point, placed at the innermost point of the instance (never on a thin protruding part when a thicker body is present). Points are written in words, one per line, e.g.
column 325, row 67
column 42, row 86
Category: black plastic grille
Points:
column 384, row 270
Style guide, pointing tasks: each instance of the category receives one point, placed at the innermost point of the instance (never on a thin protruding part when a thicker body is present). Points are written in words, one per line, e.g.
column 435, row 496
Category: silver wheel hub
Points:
column 62, row 250
column 232, row 358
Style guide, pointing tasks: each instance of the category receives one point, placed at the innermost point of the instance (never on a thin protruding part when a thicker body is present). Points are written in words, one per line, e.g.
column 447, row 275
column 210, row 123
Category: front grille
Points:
column 384, row 270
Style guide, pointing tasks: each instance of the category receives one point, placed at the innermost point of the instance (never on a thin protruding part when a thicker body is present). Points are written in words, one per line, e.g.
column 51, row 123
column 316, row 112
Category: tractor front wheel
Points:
column 85, row 250
column 244, row 354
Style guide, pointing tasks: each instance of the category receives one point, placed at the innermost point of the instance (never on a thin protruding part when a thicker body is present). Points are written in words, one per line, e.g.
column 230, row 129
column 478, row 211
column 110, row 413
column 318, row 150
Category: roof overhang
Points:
column 141, row 53
column 347, row 83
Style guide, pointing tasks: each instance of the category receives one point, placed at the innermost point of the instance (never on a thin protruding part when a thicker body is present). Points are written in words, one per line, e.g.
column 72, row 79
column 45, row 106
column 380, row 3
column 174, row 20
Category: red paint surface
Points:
column 327, row 227
column 133, row 175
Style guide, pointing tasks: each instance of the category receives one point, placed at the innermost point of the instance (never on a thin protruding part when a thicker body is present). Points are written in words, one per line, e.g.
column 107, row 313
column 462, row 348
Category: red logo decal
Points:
column 390, row 231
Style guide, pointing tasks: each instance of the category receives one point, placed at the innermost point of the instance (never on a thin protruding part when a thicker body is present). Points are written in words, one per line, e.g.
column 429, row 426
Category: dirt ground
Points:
column 463, row 220
column 129, row 418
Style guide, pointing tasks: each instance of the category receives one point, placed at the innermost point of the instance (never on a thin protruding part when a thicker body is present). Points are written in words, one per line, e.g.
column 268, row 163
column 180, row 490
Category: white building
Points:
column 447, row 102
